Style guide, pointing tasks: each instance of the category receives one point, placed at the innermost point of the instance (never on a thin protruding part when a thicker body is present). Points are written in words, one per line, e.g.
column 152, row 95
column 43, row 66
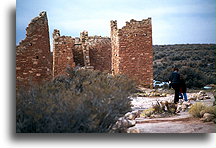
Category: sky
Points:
column 173, row 21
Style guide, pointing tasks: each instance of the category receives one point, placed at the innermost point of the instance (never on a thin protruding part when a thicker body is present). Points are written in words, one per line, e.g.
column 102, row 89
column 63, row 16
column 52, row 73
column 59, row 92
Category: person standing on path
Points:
column 183, row 88
column 174, row 81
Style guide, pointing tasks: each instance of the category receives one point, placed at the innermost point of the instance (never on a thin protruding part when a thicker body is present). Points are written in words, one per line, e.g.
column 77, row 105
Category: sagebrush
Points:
column 82, row 101
column 195, row 61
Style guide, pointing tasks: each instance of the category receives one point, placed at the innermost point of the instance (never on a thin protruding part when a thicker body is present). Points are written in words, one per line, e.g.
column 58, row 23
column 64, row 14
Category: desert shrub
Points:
column 210, row 109
column 159, row 108
column 199, row 58
column 82, row 101
column 196, row 109
column 193, row 77
column 147, row 112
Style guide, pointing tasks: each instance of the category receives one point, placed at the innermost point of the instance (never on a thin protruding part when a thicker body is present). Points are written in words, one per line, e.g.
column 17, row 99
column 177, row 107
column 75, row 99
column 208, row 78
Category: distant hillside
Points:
column 195, row 61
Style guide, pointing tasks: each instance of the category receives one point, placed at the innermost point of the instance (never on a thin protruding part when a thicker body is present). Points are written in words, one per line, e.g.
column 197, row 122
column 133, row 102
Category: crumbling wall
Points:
column 129, row 52
column 85, row 49
column 100, row 53
column 93, row 52
column 78, row 53
column 115, row 48
column 132, row 50
column 33, row 56
column 62, row 53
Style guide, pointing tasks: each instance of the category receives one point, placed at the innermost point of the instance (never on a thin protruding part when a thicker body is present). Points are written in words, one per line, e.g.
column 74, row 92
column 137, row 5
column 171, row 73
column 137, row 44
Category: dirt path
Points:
column 184, row 126
column 180, row 123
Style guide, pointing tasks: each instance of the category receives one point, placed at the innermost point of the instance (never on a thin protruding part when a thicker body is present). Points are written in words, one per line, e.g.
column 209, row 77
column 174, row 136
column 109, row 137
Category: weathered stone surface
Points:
column 133, row 130
column 62, row 53
column 207, row 117
column 129, row 116
column 128, row 51
column 132, row 115
column 132, row 52
column 200, row 96
column 33, row 56
column 100, row 53
column 124, row 123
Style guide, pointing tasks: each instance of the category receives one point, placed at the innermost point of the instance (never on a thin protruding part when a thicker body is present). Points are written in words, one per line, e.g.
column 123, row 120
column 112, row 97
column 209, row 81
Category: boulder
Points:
column 136, row 114
column 129, row 116
column 202, row 93
column 132, row 115
column 184, row 107
column 193, row 97
column 133, row 130
column 187, row 104
column 131, row 123
column 207, row 117
column 124, row 123
column 179, row 108
column 202, row 112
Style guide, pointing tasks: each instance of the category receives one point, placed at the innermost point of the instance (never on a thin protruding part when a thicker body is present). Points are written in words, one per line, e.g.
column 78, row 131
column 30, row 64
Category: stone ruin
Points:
column 128, row 51
column 132, row 52
column 33, row 56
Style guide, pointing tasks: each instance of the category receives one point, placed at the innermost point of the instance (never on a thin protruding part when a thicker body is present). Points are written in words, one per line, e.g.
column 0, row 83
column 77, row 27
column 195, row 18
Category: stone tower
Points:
column 132, row 52
column 33, row 56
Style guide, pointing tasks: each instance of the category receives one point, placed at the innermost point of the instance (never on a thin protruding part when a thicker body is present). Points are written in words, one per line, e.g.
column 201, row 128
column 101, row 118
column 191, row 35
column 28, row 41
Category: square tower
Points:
column 132, row 52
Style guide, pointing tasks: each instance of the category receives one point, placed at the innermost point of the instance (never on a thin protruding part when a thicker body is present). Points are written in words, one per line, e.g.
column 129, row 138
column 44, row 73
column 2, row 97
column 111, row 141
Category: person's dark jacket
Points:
column 183, row 87
column 174, row 78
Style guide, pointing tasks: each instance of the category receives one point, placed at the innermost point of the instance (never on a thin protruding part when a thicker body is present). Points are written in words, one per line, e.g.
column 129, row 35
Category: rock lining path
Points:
column 183, row 122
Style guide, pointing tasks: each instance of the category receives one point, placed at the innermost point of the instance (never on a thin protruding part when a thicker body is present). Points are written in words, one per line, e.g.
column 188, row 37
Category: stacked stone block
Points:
column 78, row 53
column 85, row 49
column 62, row 53
column 132, row 53
column 115, row 48
column 96, row 52
column 128, row 51
column 33, row 56
column 100, row 53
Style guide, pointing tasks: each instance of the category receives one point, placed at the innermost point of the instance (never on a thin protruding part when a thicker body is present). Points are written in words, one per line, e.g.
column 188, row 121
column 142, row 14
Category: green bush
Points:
column 83, row 101
column 195, row 61
column 193, row 77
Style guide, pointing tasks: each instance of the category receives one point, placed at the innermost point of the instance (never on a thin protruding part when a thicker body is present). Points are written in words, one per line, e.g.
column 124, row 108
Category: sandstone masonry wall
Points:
column 93, row 52
column 115, row 48
column 78, row 53
column 132, row 50
column 33, row 56
column 128, row 51
column 62, row 53
column 100, row 53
